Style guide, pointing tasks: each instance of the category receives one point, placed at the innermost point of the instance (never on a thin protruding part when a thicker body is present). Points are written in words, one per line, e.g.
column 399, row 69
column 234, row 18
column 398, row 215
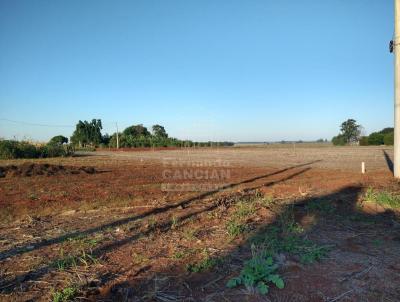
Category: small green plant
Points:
column 383, row 198
column 244, row 209
column 206, row 263
column 190, row 233
column 311, row 253
column 266, row 201
column 306, row 250
column 139, row 258
column 203, row 265
column 178, row 255
column 370, row 195
column 258, row 272
column 64, row 295
column 81, row 242
column 237, row 224
column 288, row 224
column 293, row 227
column 275, row 241
column 174, row 222
column 152, row 222
column 67, row 261
column 235, row 227
column 33, row 196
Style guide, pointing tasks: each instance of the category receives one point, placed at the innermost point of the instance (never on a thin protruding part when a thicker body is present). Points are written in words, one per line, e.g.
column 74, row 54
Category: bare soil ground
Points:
column 32, row 169
column 119, row 235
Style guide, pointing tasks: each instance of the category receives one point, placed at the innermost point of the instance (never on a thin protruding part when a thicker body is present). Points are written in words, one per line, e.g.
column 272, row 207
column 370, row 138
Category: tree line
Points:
column 88, row 134
column 350, row 134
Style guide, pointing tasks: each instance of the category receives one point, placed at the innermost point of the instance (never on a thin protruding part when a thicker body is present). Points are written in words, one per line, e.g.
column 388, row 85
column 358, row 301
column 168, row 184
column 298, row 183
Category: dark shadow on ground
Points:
column 335, row 212
column 83, row 154
column 389, row 161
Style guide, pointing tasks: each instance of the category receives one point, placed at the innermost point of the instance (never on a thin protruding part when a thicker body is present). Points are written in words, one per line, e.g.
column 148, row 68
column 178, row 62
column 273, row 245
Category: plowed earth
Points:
column 135, row 231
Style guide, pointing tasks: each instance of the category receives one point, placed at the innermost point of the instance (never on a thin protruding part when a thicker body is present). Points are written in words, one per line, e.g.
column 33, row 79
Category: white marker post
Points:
column 363, row 167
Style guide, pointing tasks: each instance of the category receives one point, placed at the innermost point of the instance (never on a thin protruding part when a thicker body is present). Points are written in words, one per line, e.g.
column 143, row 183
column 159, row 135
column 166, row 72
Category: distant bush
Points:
column 387, row 130
column 383, row 137
column 88, row 135
column 11, row 149
column 53, row 151
column 375, row 139
column 388, row 139
column 339, row 140
column 27, row 150
column 58, row 140
column 363, row 141
column 130, row 141
column 349, row 133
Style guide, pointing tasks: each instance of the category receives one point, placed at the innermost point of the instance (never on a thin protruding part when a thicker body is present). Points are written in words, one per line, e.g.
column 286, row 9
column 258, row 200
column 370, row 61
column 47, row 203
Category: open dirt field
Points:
column 177, row 225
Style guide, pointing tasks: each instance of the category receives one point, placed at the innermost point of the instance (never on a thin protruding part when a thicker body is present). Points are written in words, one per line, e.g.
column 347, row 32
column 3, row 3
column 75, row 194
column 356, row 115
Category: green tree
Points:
column 159, row 131
column 136, row 131
column 350, row 131
column 95, row 128
column 105, row 139
column 121, row 140
column 58, row 140
column 87, row 133
column 79, row 137
column 339, row 140
column 387, row 130
column 375, row 138
column 388, row 139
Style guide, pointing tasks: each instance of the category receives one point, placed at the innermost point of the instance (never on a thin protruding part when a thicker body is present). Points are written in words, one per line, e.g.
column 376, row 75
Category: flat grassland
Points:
column 177, row 225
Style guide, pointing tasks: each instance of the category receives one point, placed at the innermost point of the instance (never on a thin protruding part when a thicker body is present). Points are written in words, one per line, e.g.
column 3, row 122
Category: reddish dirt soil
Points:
column 143, row 238
column 32, row 169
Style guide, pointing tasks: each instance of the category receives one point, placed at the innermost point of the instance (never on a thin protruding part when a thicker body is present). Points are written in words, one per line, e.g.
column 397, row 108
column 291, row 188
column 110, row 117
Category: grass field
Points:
column 226, row 224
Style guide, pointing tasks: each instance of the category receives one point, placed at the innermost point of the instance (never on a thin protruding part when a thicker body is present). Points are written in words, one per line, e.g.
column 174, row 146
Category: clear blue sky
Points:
column 206, row 70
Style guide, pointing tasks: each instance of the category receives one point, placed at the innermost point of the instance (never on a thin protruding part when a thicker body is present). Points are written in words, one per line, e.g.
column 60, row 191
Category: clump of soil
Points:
column 31, row 169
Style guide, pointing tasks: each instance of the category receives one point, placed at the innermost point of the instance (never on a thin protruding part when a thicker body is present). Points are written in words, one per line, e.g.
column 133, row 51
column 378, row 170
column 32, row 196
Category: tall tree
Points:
column 95, row 127
column 87, row 133
column 159, row 131
column 350, row 131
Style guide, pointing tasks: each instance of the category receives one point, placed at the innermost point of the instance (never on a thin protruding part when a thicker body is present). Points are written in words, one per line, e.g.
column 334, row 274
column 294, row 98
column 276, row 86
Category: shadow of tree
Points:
column 335, row 220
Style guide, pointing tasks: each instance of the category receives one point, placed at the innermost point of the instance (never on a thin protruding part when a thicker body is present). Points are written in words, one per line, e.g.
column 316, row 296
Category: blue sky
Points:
column 206, row 70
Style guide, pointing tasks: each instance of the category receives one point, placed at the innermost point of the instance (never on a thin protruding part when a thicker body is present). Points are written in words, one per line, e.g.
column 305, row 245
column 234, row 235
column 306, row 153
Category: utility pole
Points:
column 396, row 49
column 116, row 124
